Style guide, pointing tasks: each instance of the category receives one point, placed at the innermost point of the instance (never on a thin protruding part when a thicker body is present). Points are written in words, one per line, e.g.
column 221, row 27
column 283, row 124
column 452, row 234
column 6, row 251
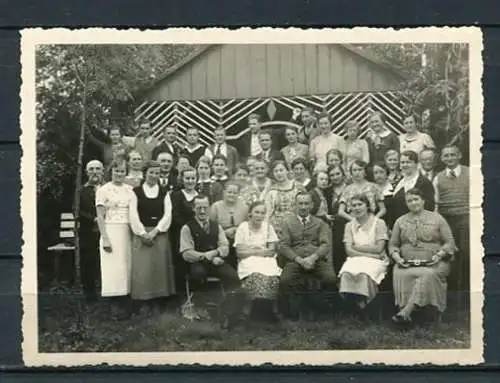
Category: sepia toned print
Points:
column 256, row 196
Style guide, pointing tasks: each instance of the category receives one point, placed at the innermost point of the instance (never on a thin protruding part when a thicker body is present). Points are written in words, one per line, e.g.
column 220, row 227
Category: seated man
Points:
column 305, row 243
column 204, row 246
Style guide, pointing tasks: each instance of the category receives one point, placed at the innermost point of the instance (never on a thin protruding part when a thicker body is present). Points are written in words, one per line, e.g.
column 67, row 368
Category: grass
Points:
column 65, row 325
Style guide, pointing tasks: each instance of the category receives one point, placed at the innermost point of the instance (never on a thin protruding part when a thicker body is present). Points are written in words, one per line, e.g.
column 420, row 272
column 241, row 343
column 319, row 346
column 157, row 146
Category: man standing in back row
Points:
column 452, row 188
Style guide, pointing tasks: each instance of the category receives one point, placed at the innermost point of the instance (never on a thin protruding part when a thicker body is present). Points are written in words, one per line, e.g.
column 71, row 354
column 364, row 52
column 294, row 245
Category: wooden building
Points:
column 223, row 84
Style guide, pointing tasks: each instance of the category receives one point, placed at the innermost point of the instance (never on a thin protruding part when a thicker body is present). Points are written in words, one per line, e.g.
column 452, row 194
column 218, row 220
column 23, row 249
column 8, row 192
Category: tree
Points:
column 109, row 76
column 438, row 82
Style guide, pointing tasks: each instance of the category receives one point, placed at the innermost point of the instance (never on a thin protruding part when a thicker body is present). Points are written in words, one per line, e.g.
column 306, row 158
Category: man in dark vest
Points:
column 88, row 231
column 168, row 145
column 452, row 195
column 204, row 246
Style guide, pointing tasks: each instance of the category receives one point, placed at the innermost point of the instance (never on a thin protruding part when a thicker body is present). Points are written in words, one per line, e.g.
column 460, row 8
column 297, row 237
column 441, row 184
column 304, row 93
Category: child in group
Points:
column 205, row 184
column 134, row 177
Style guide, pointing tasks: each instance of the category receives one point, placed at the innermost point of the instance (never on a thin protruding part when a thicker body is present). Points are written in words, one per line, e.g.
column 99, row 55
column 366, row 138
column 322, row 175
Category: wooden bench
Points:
column 67, row 241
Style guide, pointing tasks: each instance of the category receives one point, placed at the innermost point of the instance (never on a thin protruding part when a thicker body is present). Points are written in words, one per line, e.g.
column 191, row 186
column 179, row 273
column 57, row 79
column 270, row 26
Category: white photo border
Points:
column 30, row 38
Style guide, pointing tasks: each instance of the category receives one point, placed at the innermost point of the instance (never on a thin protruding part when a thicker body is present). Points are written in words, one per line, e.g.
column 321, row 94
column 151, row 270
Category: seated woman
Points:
column 255, row 242
column 422, row 246
column 230, row 212
column 367, row 261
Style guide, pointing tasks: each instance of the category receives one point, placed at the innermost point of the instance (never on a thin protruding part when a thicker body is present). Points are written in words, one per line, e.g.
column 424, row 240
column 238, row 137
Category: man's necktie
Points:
column 218, row 150
column 304, row 220
column 453, row 174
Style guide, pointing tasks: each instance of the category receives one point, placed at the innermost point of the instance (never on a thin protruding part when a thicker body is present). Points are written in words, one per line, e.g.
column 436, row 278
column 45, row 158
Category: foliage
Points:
column 440, row 86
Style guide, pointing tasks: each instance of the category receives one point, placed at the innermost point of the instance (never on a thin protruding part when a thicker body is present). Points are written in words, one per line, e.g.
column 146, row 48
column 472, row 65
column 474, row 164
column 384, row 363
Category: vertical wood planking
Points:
column 273, row 66
column 379, row 82
column 323, row 69
column 228, row 75
column 213, row 74
column 199, row 79
column 336, row 73
column 286, row 71
column 311, row 68
column 364, row 76
column 174, row 88
column 258, row 59
column 243, row 71
column 298, row 67
column 185, row 76
column 349, row 73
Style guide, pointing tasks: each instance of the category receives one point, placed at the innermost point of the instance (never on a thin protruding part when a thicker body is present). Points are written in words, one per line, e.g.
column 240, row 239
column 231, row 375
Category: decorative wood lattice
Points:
column 206, row 115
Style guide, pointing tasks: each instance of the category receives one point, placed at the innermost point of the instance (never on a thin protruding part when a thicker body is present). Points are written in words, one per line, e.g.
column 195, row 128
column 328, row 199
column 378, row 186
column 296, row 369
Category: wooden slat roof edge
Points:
column 200, row 51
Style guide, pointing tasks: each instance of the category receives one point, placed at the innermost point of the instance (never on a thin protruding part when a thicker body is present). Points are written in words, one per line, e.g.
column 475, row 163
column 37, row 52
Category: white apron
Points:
column 376, row 269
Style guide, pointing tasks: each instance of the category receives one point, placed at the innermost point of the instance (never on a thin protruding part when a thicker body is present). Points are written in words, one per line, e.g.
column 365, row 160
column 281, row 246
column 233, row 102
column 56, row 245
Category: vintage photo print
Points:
column 251, row 196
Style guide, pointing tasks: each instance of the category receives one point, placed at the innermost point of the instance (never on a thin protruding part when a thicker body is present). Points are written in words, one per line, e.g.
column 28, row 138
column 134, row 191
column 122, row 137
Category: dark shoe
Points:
column 400, row 320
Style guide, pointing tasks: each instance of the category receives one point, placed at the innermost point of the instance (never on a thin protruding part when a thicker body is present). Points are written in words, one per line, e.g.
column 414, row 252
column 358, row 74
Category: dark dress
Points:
column 338, row 226
column 89, row 242
column 398, row 202
column 182, row 212
column 213, row 190
column 377, row 151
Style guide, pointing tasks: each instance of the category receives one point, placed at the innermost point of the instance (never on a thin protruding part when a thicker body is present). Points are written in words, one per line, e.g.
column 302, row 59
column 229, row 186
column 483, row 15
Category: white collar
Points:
column 457, row 170
column 223, row 178
column 191, row 150
column 189, row 197
column 308, row 218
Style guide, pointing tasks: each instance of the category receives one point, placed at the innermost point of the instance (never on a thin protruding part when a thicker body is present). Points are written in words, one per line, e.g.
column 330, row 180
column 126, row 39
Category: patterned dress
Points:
column 115, row 265
column 280, row 201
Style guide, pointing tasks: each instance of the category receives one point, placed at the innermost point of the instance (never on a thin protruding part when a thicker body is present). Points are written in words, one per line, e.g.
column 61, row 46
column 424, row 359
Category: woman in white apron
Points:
column 366, row 265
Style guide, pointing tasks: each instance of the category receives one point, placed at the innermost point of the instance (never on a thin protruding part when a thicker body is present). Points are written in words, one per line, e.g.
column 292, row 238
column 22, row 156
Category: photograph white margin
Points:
column 30, row 38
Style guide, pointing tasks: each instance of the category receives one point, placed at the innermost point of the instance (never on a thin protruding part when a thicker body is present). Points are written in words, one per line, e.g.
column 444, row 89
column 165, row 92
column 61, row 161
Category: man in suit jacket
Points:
column 169, row 144
column 88, row 231
column 427, row 159
column 168, row 174
column 305, row 244
column 267, row 152
column 221, row 147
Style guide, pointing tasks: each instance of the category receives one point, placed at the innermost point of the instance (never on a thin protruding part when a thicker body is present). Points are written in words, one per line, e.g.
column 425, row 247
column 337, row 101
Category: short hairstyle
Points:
column 411, row 155
column 192, row 128
column 451, row 146
column 319, row 171
column 219, row 157
column 170, row 127
column 298, row 161
column 379, row 115
column 117, row 162
column 335, row 151
column 220, row 128
column 382, row 165
column 254, row 204
column 143, row 121
column 350, row 124
column 332, row 167
column 292, row 128
column 94, row 163
column 361, row 197
column 415, row 191
column 410, row 115
column 323, row 115
column 201, row 197
column 431, row 150
column 185, row 157
column 232, row 183
column 204, row 160
column 134, row 152
column 254, row 116
column 150, row 164
column 277, row 163
column 240, row 166
column 164, row 152
column 302, row 193
column 187, row 170
column 307, row 109
column 390, row 152
column 359, row 163
column 265, row 132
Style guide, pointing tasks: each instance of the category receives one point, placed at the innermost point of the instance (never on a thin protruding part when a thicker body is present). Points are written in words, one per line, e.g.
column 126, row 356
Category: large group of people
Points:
column 346, row 211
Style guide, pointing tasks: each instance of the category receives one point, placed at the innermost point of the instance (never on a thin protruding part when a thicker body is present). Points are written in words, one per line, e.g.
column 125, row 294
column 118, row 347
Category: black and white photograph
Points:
column 279, row 196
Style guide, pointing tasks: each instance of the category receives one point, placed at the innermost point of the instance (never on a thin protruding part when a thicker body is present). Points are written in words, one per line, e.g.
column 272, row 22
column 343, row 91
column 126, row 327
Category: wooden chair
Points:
column 67, row 241
column 207, row 281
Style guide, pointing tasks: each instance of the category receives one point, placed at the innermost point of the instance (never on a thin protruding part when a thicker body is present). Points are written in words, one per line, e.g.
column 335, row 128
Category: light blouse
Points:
column 116, row 200
column 165, row 221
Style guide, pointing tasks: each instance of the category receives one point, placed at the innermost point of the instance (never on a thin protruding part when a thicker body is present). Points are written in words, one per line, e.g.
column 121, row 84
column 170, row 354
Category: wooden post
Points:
column 78, row 183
